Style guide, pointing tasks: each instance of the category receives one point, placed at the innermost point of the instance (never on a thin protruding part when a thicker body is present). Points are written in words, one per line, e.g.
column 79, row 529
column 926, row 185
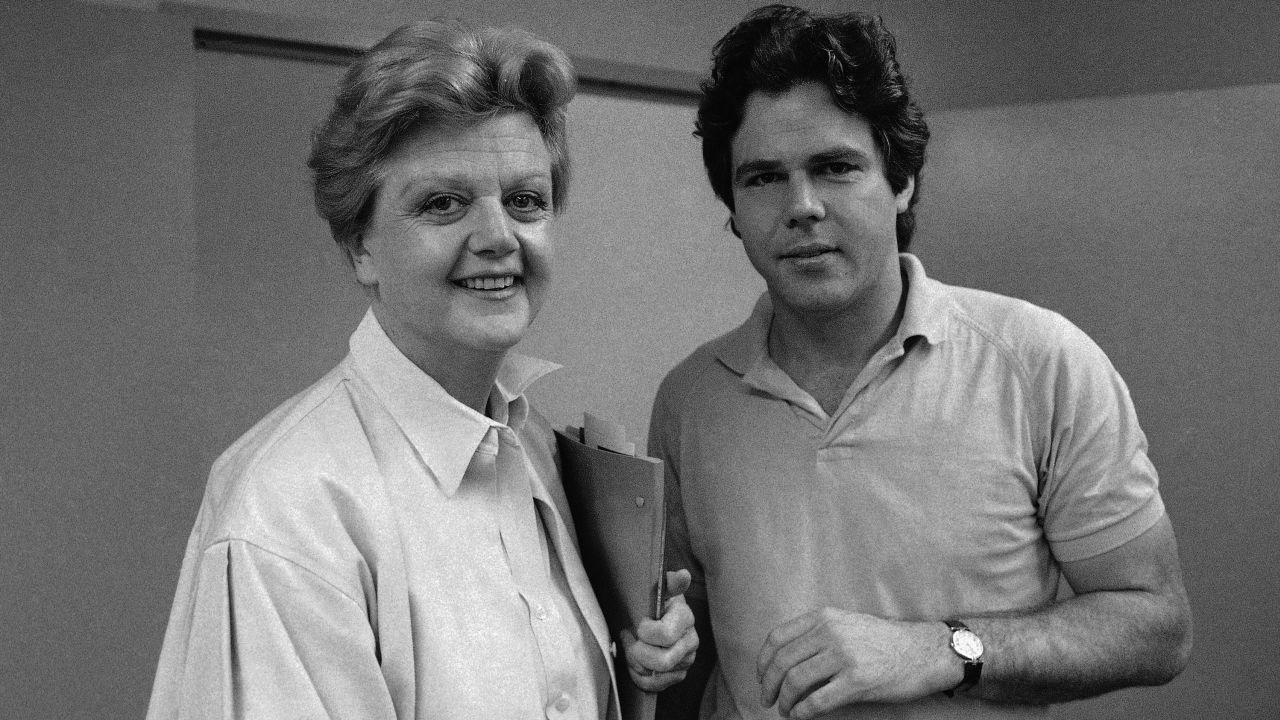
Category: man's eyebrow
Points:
column 839, row 154
column 754, row 166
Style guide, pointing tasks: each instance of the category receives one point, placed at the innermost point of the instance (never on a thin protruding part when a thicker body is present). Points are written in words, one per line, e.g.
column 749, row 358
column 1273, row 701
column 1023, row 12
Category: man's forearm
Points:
column 1083, row 646
column 1129, row 624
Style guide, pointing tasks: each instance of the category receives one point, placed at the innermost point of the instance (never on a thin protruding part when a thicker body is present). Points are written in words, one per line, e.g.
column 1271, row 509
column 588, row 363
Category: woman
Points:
column 394, row 541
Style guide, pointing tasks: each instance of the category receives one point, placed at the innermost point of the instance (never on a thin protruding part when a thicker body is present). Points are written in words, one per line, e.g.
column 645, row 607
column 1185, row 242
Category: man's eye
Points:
column 443, row 204
column 840, row 168
column 760, row 179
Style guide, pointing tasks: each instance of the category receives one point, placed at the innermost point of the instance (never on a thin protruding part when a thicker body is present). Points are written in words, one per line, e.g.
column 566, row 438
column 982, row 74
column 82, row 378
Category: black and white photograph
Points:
column 609, row 360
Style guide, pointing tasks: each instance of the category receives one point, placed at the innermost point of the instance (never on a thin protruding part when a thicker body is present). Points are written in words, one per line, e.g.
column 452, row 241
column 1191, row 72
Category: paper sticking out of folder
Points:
column 616, row 498
column 605, row 435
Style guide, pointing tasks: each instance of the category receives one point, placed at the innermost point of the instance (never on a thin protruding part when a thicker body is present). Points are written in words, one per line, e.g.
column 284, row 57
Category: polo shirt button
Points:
column 540, row 613
column 563, row 702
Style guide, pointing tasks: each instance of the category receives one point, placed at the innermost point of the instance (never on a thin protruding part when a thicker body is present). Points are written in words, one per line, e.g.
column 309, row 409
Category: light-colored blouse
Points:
column 376, row 549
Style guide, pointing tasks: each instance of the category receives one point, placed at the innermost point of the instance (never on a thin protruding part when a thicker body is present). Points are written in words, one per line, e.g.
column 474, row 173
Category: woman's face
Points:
column 457, row 248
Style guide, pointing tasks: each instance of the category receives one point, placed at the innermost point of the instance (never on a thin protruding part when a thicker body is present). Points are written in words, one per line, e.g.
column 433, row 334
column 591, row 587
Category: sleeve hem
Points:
column 1111, row 537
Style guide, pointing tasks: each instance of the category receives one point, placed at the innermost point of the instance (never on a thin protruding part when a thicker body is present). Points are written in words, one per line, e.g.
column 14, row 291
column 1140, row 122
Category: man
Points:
column 881, row 481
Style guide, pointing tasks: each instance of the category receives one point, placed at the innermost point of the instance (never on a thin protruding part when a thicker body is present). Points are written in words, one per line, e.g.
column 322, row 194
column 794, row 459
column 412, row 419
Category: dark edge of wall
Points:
column 596, row 76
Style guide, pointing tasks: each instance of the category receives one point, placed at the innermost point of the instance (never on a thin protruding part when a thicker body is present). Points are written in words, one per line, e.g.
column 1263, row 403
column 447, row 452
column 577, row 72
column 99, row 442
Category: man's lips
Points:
column 808, row 250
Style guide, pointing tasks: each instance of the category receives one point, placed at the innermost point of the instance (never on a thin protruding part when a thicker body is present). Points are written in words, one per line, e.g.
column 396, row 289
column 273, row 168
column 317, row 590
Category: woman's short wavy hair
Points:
column 777, row 47
column 433, row 73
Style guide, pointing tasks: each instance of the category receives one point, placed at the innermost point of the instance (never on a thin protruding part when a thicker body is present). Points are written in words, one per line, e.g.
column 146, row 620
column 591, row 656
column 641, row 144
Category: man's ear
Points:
column 903, row 199
column 733, row 228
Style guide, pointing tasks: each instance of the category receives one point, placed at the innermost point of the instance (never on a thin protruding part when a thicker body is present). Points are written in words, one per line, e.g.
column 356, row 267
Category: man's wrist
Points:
column 940, row 670
column 964, row 645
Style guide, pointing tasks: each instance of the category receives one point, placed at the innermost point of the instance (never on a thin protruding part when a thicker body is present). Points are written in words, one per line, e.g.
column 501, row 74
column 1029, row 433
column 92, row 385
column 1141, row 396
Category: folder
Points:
column 618, row 510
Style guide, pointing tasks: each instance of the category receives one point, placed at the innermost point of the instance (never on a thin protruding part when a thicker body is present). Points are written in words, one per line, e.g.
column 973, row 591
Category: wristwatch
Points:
column 966, row 644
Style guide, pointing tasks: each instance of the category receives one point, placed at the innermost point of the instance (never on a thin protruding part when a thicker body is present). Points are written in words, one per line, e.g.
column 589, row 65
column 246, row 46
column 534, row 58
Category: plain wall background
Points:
column 165, row 283
column 96, row 271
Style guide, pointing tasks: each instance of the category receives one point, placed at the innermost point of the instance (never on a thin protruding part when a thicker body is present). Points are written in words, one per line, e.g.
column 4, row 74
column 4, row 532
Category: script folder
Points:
column 618, row 510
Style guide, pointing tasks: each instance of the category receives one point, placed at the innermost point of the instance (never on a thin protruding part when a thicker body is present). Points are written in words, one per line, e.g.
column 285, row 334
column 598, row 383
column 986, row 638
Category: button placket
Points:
column 528, row 552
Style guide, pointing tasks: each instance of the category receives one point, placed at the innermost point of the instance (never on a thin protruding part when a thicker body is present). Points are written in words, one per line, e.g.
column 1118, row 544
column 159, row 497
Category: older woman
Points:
column 394, row 541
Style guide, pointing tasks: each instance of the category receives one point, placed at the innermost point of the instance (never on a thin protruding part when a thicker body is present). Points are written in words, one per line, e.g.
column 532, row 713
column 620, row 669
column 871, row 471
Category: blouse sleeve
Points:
column 256, row 635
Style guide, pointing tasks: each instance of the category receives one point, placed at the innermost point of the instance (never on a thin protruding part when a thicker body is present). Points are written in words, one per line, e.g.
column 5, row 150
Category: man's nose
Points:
column 493, row 234
column 804, row 204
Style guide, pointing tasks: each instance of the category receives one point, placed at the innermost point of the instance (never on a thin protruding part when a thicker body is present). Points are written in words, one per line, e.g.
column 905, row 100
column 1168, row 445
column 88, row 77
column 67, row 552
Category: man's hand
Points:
column 659, row 651
column 829, row 658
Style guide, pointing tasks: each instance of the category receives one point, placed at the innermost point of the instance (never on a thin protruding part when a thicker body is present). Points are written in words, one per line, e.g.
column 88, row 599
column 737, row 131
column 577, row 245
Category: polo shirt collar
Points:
column 745, row 351
column 444, row 431
column 928, row 310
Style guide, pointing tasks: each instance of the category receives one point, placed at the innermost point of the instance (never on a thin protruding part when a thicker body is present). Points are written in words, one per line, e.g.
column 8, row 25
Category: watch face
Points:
column 966, row 644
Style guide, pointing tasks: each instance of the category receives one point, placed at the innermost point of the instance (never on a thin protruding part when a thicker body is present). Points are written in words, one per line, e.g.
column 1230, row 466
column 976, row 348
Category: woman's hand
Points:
column 659, row 652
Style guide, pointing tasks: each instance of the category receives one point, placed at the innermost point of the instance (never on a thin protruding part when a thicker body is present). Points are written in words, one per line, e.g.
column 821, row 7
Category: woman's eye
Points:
column 528, row 204
column 443, row 204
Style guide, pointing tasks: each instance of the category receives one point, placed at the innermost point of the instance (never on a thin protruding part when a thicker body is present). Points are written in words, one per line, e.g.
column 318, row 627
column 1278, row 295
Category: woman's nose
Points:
column 493, row 234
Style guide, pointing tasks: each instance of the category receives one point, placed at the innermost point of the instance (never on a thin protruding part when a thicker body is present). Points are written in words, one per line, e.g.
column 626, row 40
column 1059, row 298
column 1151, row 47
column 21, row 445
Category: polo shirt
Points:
column 376, row 549
column 987, row 441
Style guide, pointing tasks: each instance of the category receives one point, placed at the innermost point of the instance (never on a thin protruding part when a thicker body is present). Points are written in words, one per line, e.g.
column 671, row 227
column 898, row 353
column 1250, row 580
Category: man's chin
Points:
column 815, row 301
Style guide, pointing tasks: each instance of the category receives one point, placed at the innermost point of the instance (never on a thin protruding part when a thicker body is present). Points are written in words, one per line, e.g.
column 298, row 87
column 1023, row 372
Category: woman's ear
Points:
column 363, row 263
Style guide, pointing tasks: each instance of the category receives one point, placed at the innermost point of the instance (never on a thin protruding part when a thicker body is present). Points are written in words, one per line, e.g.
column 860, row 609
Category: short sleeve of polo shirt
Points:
column 1099, row 489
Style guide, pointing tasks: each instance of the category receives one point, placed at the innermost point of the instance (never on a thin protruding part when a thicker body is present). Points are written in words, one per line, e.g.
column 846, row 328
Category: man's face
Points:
column 458, row 244
column 813, row 207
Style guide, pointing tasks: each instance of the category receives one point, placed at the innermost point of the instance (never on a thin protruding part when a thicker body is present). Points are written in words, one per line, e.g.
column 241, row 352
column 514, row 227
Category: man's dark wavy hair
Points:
column 778, row 47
